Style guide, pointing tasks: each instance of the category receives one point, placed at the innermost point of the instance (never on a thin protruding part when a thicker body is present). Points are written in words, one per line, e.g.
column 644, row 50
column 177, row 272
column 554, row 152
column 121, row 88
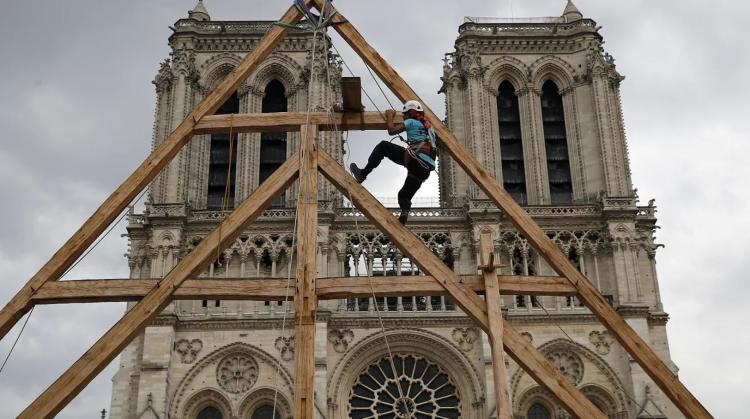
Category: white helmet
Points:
column 413, row 104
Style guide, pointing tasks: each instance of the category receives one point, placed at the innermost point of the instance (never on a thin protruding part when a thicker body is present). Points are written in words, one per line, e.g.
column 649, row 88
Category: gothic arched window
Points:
column 265, row 412
column 511, row 147
column 210, row 412
column 538, row 411
column 222, row 165
column 273, row 144
column 556, row 144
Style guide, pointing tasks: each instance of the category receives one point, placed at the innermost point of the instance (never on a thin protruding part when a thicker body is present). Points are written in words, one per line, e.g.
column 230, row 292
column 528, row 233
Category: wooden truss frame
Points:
column 154, row 295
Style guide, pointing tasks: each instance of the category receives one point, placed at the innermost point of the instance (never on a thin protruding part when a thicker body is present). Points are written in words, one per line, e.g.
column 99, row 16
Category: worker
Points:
column 418, row 157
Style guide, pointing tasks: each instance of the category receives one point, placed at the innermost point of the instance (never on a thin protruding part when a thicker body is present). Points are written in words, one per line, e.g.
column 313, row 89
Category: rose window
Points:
column 237, row 373
column 569, row 365
column 425, row 391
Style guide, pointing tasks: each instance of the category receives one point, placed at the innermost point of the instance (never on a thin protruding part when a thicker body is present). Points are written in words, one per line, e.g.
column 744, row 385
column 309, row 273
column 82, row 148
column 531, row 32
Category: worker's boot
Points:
column 403, row 217
column 357, row 173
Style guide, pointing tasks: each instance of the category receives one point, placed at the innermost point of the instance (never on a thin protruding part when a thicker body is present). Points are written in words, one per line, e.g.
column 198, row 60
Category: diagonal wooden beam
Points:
column 273, row 289
column 526, row 356
column 628, row 338
column 114, row 341
column 500, row 374
column 145, row 173
column 305, row 299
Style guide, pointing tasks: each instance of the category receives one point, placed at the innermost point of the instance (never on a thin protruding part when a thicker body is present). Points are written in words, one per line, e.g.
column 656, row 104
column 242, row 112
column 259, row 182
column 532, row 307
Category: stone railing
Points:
column 415, row 212
column 217, row 27
column 542, row 211
column 481, row 26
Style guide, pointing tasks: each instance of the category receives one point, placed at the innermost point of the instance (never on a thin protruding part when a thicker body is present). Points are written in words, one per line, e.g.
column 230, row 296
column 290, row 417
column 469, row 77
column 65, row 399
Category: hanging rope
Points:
column 227, row 188
column 15, row 342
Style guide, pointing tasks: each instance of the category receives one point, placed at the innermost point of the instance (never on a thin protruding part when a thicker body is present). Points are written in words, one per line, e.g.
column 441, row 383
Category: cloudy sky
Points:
column 76, row 111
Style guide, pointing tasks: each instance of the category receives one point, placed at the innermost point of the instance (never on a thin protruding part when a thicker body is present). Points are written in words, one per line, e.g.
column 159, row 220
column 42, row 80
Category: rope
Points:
column 356, row 223
column 82, row 257
column 227, row 186
column 7, row 357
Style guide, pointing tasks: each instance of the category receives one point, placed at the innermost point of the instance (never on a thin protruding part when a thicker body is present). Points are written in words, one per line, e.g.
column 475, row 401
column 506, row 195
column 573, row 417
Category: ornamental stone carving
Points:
column 340, row 339
column 465, row 337
column 285, row 346
column 602, row 341
column 237, row 373
column 529, row 338
column 569, row 365
column 188, row 349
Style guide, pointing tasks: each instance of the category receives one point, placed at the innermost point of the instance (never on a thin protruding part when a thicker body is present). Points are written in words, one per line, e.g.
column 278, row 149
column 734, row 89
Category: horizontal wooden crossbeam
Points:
column 291, row 121
column 274, row 289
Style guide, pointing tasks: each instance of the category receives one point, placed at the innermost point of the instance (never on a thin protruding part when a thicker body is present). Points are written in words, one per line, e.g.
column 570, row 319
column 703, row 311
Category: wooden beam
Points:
column 145, row 173
column 572, row 399
column 495, row 317
column 305, row 299
column 628, row 338
column 291, row 122
column 114, row 341
column 271, row 289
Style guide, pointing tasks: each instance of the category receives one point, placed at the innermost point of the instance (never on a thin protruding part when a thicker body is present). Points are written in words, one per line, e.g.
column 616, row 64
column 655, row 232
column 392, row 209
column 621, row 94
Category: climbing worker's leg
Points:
column 393, row 152
column 417, row 176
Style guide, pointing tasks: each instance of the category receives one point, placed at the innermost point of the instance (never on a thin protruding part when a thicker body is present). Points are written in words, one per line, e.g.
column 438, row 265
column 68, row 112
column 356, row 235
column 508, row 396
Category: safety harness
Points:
column 424, row 151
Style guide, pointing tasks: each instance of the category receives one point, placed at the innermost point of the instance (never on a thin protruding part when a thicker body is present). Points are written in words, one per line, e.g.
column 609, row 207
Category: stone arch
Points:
column 216, row 68
column 205, row 398
column 616, row 391
column 409, row 341
column 280, row 67
column 265, row 395
column 601, row 397
column 506, row 68
column 533, row 396
column 211, row 360
column 552, row 68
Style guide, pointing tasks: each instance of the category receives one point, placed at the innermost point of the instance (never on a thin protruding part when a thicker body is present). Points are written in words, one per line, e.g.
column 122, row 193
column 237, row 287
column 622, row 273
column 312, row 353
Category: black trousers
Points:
column 417, row 174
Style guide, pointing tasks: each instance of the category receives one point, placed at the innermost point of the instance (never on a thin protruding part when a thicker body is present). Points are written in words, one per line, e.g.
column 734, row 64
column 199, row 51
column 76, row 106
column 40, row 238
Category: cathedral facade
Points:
column 536, row 102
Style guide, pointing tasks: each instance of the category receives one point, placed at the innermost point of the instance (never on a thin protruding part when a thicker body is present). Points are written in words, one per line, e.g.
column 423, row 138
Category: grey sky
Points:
column 76, row 112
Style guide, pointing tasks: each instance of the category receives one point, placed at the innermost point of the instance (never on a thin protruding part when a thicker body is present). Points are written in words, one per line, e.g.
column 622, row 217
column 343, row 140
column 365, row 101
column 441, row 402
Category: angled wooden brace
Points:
column 137, row 318
column 145, row 173
column 625, row 335
column 519, row 349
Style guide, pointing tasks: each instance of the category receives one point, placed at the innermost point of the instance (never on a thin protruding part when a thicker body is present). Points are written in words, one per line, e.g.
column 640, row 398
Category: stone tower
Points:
column 537, row 102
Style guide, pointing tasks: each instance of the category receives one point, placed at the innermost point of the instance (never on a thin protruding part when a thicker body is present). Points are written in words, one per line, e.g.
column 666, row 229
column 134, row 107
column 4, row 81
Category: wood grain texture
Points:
column 495, row 317
column 291, row 121
column 625, row 335
column 145, row 173
column 134, row 321
column 305, row 299
column 572, row 399
column 270, row 289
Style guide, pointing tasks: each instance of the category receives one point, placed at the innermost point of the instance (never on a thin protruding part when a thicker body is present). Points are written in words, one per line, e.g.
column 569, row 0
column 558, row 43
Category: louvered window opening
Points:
column 273, row 144
column 222, row 168
column 511, row 146
column 556, row 145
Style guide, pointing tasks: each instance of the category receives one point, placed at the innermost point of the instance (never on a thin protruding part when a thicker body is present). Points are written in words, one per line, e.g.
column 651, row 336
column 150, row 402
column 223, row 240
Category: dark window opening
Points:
column 222, row 166
column 210, row 412
column 266, row 412
column 556, row 145
column 273, row 144
column 538, row 411
column 511, row 146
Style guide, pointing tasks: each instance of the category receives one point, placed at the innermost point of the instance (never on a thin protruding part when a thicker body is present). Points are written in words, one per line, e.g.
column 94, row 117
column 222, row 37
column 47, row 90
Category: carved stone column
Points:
column 575, row 147
column 534, row 152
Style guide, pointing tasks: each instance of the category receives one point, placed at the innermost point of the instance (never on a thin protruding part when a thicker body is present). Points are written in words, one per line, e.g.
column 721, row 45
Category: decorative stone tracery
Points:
column 237, row 373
